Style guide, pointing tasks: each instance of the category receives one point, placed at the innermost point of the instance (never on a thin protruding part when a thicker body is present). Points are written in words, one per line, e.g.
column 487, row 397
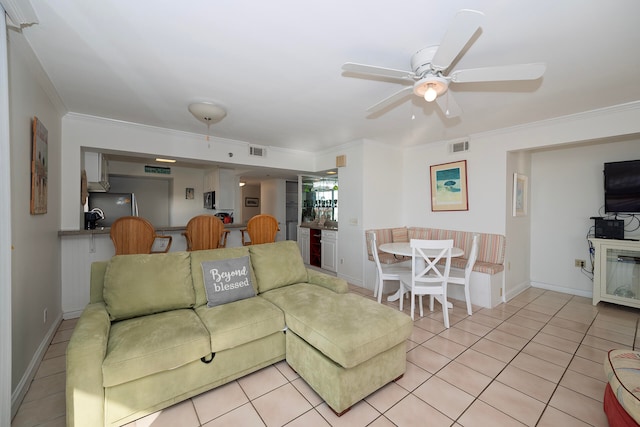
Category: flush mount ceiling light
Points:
column 207, row 113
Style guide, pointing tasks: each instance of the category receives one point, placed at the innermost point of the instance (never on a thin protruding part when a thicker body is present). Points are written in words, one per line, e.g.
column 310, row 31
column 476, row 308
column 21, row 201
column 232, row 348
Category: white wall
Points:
column 486, row 169
column 518, row 229
column 567, row 189
column 351, row 211
column 490, row 174
column 383, row 191
column 5, row 234
column 181, row 209
column 35, row 258
column 249, row 190
column 102, row 134
column 272, row 202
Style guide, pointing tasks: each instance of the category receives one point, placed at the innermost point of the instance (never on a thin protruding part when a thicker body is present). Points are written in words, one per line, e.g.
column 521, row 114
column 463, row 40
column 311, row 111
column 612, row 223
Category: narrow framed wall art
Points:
column 39, row 168
column 520, row 196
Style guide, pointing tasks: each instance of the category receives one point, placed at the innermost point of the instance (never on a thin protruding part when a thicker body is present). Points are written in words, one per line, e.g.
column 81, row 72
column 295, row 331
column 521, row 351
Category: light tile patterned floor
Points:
column 535, row 361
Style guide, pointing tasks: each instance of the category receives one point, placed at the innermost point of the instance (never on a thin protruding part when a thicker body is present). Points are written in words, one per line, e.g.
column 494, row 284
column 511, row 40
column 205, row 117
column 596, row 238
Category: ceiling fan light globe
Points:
column 430, row 94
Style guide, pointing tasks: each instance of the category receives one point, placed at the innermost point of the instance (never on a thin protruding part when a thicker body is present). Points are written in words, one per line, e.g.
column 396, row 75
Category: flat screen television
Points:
column 622, row 187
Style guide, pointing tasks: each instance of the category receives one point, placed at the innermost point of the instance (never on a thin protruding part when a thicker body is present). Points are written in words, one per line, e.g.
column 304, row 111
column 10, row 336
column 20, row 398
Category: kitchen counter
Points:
column 159, row 230
column 317, row 226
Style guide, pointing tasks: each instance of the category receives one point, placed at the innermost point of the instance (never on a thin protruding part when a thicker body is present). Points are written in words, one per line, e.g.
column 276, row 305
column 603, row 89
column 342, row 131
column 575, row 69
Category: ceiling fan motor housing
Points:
column 421, row 66
column 421, row 60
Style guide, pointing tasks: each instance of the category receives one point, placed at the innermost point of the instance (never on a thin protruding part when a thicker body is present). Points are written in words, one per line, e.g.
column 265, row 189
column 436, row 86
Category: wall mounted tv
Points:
column 622, row 187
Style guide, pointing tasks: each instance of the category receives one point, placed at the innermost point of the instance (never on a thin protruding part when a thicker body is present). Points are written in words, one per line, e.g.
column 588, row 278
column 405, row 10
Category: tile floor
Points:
column 535, row 361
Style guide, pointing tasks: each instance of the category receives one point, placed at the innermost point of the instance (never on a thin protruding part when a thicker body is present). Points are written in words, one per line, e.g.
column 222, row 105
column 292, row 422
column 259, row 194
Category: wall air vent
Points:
column 458, row 147
column 257, row 151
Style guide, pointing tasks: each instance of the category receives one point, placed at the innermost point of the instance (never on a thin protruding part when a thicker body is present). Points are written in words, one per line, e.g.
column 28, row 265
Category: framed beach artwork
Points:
column 520, row 195
column 449, row 187
column 39, row 168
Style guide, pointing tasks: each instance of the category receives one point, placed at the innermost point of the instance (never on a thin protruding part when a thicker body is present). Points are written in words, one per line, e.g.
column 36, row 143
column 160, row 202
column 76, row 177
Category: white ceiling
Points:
column 276, row 65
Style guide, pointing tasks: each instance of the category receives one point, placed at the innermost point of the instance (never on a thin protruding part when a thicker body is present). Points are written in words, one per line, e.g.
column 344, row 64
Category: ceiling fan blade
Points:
column 390, row 100
column 464, row 26
column 502, row 73
column 377, row 71
column 448, row 105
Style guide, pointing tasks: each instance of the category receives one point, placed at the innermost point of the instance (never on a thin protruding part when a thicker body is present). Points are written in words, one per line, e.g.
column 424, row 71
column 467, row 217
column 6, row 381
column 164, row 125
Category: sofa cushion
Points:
column 149, row 344
column 198, row 257
column 137, row 285
column 622, row 368
column 277, row 264
column 240, row 322
column 227, row 280
column 347, row 328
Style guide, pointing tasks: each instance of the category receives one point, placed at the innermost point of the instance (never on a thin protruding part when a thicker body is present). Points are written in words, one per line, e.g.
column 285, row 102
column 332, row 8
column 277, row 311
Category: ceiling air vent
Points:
column 458, row 147
column 257, row 151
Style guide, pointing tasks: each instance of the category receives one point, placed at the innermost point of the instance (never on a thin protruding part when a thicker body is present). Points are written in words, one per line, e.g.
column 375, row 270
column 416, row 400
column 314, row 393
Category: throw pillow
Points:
column 227, row 280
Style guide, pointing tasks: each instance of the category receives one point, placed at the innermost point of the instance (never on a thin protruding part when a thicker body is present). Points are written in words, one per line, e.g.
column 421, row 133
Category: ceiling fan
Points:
column 429, row 65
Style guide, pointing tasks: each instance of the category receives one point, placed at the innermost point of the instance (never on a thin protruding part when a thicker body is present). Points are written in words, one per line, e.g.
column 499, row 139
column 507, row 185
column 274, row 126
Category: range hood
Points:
column 97, row 168
column 98, row 186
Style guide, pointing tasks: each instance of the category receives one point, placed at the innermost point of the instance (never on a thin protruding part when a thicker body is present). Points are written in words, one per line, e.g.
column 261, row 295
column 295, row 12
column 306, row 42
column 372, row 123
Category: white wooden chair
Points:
column 464, row 277
column 427, row 277
column 386, row 271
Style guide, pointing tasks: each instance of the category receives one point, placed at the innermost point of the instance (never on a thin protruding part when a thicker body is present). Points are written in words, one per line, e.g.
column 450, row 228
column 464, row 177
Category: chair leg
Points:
column 445, row 313
column 468, row 298
column 401, row 290
column 431, row 302
column 375, row 288
column 421, row 309
column 413, row 304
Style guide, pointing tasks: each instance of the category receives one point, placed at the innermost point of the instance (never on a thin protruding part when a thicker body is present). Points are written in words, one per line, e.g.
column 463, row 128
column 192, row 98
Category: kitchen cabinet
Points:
column 616, row 274
column 329, row 250
column 225, row 183
column 319, row 247
column 97, row 167
column 303, row 243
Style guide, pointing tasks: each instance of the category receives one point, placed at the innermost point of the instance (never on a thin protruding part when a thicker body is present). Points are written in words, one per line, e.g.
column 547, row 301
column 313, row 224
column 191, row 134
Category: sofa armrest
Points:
column 332, row 283
column 85, row 353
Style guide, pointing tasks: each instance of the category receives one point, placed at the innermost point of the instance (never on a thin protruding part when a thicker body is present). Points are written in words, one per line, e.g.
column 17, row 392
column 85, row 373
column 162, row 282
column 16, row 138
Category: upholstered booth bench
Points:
column 488, row 272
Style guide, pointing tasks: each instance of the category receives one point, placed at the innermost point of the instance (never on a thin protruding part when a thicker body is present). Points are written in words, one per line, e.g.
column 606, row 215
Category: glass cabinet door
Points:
column 622, row 272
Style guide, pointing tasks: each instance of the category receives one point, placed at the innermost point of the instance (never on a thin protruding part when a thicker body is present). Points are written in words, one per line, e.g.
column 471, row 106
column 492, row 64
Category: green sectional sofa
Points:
column 162, row 328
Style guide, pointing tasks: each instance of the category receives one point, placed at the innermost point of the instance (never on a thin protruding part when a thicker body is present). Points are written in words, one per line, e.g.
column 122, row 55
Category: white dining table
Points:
column 404, row 249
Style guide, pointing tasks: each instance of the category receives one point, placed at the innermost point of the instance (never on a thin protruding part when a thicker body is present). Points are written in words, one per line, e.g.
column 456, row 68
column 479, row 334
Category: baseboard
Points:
column 562, row 289
column 71, row 314
column 23, row 386
column 516, row 290
column 351, row 279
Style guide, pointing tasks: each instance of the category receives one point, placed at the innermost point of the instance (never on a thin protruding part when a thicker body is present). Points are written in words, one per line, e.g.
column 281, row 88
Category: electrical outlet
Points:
column 44, row 316
column 579, row 263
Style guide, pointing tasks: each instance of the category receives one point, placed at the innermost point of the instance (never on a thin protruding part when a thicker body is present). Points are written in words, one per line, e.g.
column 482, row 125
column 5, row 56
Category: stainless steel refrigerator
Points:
column 113, row 205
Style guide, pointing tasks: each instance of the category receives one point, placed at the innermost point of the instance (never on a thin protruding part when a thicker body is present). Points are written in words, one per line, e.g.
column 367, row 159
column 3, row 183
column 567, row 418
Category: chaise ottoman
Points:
column 343, row 345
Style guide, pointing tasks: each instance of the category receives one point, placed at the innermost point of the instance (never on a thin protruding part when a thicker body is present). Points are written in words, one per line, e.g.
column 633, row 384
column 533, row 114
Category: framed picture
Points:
column 39, row 168
column 189, row 193
column 449, row 187
column 520, row 196
column 251, row 202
